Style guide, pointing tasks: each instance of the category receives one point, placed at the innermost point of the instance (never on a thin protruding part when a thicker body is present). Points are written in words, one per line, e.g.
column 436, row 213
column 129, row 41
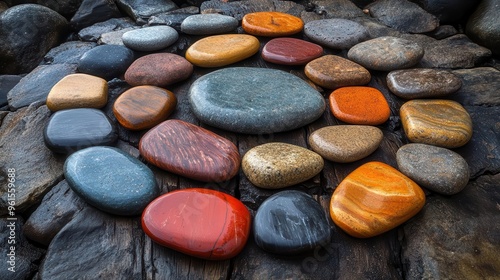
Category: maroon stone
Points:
column 290, row 51
column 159, row 69
column 190, row 151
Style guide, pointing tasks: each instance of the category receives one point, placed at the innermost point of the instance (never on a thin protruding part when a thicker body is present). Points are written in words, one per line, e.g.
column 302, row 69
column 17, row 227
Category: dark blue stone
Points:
column 106, row 61
column 255, row 100
column 290, row 222
column 75, row 129
column 111, row 180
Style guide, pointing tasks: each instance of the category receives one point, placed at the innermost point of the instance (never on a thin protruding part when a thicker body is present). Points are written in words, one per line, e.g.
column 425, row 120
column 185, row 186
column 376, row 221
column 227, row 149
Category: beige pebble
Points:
column 78, row 91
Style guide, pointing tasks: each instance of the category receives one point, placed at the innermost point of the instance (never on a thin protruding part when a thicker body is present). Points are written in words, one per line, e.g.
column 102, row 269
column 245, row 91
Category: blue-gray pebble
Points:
column 255, row 100
column 111, row 180
column 208, row 24
column 336, row 33
column 151, row 38
column 290, row 222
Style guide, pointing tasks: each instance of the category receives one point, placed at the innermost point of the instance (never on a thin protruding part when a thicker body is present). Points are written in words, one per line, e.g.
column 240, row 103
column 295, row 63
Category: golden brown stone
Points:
column 331, row 71
column 437, row 122
column 78, row 91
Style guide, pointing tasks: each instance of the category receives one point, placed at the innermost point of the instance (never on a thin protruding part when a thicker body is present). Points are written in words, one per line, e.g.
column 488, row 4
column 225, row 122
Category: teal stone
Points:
column 255, row 100
column 111, row 180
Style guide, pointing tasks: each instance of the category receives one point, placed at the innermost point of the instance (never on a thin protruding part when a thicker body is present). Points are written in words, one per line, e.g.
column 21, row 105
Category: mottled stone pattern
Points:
column 143, row 107
column 435, row 168
column 158, row 69
column 111, row 180
column 278, row 165
column 199, row 222
column 290, row 51
column 438, row 122
column 221, row 50
column 190, row 151
column 290, row 222
column 345, row 143
column 254, row 100
column 74, row 129
column 373, row 199
column 271, row 24
column 422, row 83
column 331, row 71
column 386, row 53
column 359, row 105
column 78, row 91
column 150, row 38
column 336, row 33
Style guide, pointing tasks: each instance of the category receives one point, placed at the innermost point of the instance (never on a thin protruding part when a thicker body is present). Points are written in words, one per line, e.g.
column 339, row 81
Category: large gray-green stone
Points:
column 255, row 100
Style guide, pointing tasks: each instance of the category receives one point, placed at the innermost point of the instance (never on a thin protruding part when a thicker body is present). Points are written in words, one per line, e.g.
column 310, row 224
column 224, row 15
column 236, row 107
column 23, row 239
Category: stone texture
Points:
column 359, row 105
column 331, row 71
column 456, row 236
column 78, row 91
column 75, row 129
column 94, row 11
column 448, row 11
column 21, row 139
column 277, row 165
column 403, row 15
column 443, row 31
column 438, row 122
column 7, row 82
column 238, row 11
column 271, row 24
column 422, row 83
column 142, row 10
column 173, row 18
column 114, row 37
column 199, row 222
column 64, row 7
column 483, row 25
column 437, row 169
column 58, row 207
column 252, row 100
column 345, row 143
column 222, row 50
column 336, row 33
column 290, row 222
column 374, row 199
column 37, row 84
column 28, row 32
column 386, row 53
column 159, row 69
column 152, row 38
column 111, row 180
column 454, row 52
column 93, row 33
column 208, row 24
column 106, row 61
column 480, row 86
column 290, row 51
column 69, row 52
column 143, row 107
column 190, row 151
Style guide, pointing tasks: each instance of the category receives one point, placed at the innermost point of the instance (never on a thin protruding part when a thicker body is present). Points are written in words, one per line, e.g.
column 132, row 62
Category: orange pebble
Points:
column 359, row 105
column 271, row 24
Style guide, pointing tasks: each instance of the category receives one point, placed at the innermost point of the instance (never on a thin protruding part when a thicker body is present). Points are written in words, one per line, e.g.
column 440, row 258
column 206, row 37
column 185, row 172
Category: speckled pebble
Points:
column 422, row 83
column 386, row 53
column 331, row 71
column 208, row 24
column 437, row 169
column 278, row 165
column 336, row 33
column 151, row 38
column 345, row 143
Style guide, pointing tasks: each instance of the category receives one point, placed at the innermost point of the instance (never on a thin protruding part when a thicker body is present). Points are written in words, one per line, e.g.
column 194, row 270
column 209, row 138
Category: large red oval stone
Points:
column 290, row 51
column 190, row 151
column 199, row 222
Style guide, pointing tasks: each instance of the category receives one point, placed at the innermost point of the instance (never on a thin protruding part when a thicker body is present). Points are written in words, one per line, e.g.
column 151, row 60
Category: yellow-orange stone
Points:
column 373, row 199
column 221, row 50
column 78, row 91
column 271, row 24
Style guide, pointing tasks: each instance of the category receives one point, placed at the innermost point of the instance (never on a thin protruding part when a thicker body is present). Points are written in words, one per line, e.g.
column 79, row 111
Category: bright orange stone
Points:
column 373, row 199
column 271, row 24
column 359, row 105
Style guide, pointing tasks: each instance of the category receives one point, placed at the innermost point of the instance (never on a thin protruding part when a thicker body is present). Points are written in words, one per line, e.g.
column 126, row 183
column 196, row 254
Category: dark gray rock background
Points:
column 59, row 236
